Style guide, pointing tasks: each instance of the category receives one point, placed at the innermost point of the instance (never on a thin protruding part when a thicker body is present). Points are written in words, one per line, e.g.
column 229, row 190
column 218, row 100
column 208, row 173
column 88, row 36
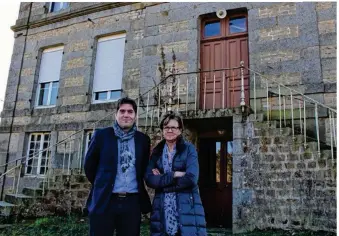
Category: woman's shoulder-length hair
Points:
column 171, row 116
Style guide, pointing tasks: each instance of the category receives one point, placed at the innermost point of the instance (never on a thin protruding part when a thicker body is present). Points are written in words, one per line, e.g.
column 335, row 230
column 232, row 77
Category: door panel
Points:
column 213, row 58
column 215, row 189
column 238, row 51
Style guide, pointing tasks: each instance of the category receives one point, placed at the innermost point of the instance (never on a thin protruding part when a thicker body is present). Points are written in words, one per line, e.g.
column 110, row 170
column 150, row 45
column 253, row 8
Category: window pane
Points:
column 46, row 138
column 238, row 25
column 29, row 169
column 42, row 170
column 57, row 6
column 54, row 93
column 43, row 95
column 115, row 95
column 212, row 29
column 217, row 162
column 101, row 96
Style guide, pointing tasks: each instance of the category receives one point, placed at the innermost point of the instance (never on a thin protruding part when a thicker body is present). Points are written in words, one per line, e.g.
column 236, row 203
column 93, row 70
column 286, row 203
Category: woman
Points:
column 173, row 172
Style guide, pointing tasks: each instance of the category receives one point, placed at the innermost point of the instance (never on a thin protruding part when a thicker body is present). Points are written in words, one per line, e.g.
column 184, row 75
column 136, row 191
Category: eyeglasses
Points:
column 167, row 128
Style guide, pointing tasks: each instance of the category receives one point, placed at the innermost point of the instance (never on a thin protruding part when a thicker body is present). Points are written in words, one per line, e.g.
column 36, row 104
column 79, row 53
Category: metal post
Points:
column 147, row 110
column 223, row 89
column 267, row 103
column 300, row 118
column 334, row 129
column 317, row 127
column 17, row 185
column 63, row 160
column 195, row 95
column 255, row 97
column 280, row 115
column 171, row 95
column 69, row 156
column 292, row 115
column 205, row 94
column 332, row 152
column 186, row 95
column 152, row 118
column 233, row 88
column 178, row 94
column 81, row 150
column 213, row 91
column 284, row 100
column 13, row 186
column 305, row 141
column 138, row 110
column 159, row 100
column 242, row 96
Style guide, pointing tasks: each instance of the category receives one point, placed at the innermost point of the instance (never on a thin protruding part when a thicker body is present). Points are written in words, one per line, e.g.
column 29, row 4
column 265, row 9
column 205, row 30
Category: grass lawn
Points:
column 75, row 226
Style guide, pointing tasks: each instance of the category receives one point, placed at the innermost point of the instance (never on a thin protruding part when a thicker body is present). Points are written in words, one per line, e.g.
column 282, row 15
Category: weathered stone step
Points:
column 267, row 132
column 6, row 208
column 66, row 185
column 19, row 199
column 265, row 124
column 79, row 178
column 33, row 192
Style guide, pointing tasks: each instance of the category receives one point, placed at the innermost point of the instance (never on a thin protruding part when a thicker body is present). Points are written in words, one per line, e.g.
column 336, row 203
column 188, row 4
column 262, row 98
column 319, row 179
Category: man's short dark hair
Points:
column 127, row 100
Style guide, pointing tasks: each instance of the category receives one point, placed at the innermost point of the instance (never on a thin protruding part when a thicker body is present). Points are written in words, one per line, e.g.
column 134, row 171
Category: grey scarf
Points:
column 126, row 158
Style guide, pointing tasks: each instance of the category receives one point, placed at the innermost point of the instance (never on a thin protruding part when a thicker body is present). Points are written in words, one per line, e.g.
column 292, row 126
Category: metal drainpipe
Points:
column 15, row 101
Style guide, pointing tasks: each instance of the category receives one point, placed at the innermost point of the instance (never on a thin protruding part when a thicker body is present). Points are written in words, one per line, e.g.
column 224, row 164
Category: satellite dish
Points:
column 221, row 13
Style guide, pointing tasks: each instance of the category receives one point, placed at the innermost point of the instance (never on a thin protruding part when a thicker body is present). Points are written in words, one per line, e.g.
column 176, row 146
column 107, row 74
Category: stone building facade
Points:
column 292, row 43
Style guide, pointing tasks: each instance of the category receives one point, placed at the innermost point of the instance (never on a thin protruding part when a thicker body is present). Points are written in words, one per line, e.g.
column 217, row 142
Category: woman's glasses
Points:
column 167, row 128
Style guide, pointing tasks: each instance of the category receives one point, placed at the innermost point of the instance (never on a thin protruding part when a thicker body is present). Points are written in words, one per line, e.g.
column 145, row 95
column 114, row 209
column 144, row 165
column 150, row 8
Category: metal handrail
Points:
column 296, row 91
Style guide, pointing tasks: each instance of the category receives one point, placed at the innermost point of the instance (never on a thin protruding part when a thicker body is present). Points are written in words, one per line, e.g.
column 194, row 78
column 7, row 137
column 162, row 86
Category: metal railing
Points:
column 193, row 91
column 304, row 111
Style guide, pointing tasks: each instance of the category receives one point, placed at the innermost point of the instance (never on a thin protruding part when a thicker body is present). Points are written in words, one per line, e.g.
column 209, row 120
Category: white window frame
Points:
column 49, row 95
column 108, row 97
column 50, row 84
column 39, row 157
column 61, row 6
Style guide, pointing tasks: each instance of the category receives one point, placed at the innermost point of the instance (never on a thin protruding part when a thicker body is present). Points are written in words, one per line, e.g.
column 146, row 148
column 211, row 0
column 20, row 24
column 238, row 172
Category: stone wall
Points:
column 280, row 183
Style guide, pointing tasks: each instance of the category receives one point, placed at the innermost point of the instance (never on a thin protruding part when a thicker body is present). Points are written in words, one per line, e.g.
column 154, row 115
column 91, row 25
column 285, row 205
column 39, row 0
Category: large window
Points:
column 58, row 6
column 109, row 68
column 49, row 75
column 37, row 154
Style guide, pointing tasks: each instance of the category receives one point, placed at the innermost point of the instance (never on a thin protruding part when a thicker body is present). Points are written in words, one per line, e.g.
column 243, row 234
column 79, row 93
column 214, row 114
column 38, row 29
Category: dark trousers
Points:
column 123, row 216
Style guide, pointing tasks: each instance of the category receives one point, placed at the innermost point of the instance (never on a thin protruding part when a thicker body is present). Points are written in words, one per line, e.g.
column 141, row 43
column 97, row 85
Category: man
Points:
column 115, row 164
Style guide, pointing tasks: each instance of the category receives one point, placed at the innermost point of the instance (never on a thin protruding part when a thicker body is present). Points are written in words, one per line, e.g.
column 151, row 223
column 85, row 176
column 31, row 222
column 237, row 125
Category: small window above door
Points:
column 212, row 29
column 237, row 25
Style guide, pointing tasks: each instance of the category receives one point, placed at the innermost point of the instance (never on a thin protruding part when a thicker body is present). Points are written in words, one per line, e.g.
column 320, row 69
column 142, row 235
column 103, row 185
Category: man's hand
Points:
column 156, row 171
column 178, row 174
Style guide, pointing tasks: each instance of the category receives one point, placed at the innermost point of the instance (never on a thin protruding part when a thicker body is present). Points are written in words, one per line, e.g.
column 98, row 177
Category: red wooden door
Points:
column 224, row 43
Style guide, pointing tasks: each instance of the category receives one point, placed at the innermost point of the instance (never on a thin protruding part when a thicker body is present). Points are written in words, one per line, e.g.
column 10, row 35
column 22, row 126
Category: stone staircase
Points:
column 62, row 195
column 288, row 178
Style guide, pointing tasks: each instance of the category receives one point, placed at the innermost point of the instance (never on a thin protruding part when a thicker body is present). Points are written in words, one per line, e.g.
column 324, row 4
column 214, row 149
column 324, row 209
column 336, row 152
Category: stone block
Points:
column 326, row 27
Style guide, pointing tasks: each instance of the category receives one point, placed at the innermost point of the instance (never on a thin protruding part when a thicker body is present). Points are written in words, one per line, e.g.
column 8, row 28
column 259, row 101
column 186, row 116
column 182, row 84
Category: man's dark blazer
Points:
column 101, row 163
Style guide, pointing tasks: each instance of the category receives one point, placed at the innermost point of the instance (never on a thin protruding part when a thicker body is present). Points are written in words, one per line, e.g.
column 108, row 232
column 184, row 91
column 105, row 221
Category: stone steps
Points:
column 19, row 199
column 6, row 208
